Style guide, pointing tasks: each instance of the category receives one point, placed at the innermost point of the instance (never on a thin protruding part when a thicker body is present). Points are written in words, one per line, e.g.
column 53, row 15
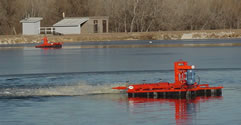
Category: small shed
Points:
column 31, row 25
column 96, row 24
column 70, row 25
column 77, row 25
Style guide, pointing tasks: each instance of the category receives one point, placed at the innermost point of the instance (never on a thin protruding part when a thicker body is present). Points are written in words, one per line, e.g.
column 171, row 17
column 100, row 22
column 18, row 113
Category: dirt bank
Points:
column 163, row 35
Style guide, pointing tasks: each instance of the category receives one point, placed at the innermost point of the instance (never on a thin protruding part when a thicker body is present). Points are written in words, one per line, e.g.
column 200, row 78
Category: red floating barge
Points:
column 47, row 44
column 185, row 86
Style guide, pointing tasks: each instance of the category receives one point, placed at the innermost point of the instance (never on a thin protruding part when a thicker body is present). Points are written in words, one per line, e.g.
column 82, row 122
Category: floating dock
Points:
column 185, row 86
column 47, row 44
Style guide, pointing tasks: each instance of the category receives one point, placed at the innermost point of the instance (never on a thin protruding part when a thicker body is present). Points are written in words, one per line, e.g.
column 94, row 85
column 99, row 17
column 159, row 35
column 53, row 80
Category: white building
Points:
column 78, row 25
column 70, row 25
column 31, row 25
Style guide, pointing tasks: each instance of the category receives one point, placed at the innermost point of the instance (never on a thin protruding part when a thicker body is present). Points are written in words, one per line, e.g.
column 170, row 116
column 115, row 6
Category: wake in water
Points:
column 70, row 90
column 75, row 84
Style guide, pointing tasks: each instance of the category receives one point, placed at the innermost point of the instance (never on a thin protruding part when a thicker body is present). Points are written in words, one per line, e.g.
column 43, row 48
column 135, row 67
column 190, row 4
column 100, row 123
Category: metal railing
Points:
column 47, row 30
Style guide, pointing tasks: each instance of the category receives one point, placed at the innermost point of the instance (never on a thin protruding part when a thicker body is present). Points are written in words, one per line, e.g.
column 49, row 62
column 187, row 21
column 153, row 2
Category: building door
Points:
column 95, row 26
column 104, row 26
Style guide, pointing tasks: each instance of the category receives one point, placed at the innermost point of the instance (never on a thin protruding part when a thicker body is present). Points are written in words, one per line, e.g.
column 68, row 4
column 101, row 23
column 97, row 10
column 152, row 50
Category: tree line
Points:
column 127, row 15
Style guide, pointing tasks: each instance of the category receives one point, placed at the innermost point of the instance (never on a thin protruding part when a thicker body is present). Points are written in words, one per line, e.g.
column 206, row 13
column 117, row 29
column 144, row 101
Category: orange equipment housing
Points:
column 184, row 86
column 47, row 44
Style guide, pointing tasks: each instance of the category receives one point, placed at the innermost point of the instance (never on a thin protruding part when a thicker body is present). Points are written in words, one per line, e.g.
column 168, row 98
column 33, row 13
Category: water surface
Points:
column 73, row 86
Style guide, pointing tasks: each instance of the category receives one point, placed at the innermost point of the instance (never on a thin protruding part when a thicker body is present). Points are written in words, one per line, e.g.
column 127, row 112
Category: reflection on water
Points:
column 185, row 109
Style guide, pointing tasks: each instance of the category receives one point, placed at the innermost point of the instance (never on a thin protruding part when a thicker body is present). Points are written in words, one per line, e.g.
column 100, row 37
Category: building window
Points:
column 104, row 26
column 95, row 26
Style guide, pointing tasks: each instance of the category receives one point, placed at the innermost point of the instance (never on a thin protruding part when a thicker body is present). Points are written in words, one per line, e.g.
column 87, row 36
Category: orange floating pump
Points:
column 47, row 44
column 185, row 86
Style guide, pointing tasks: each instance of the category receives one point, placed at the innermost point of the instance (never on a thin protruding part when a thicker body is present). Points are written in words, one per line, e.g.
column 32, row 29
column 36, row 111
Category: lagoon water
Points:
column 73, row 86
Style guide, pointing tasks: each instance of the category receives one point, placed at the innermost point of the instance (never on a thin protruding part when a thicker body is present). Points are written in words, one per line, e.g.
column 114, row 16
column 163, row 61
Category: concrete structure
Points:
column 31, row 25
column 79, row 25
column 98, row 24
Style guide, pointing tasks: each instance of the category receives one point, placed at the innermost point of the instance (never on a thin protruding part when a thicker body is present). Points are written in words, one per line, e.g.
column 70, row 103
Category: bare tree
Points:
column 127, row 15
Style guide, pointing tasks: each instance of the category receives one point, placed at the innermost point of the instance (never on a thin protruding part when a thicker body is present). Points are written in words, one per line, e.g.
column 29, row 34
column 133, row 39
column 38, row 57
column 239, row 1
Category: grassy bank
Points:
column 157, row 46
column 163, row 35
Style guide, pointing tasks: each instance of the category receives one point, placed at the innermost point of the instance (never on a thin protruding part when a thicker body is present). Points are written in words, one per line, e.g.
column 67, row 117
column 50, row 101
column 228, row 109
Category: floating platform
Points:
column 47, row 44
column 185, row 86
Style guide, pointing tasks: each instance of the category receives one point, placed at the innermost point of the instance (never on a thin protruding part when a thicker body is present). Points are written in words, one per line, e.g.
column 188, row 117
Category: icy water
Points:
column 72, row 86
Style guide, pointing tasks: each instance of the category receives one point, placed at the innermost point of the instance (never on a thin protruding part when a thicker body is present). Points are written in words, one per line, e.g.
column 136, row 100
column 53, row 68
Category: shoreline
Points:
column 138, row 46
column 163, row 35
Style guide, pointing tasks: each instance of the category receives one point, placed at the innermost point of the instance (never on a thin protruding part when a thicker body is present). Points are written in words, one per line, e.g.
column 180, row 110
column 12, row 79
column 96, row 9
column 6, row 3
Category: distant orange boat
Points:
column 47, row 44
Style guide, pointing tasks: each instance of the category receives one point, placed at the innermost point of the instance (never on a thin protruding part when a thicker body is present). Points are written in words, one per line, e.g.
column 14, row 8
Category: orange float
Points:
column 47, row 44
column 185, row 86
